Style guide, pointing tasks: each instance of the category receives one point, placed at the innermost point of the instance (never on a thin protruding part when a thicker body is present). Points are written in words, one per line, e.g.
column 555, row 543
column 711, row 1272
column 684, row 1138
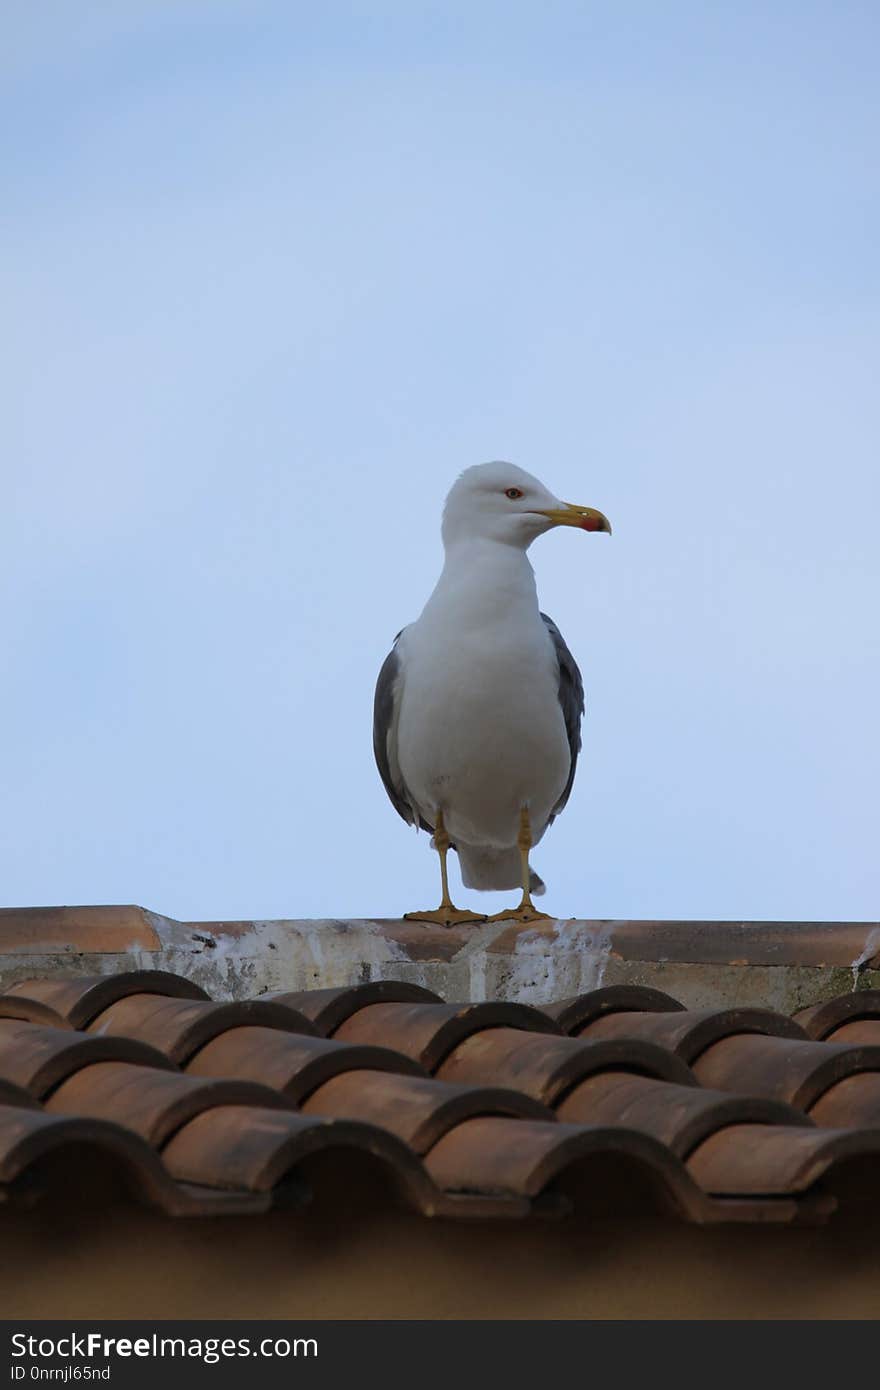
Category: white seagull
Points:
column 477, row 714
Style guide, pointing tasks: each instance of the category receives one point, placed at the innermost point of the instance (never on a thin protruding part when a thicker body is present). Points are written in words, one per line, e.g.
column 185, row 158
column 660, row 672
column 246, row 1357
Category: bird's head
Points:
column 501, row 502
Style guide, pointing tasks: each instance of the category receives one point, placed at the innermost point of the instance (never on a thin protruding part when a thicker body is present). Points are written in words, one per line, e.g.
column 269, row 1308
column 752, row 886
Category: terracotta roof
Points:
column 487, row 1109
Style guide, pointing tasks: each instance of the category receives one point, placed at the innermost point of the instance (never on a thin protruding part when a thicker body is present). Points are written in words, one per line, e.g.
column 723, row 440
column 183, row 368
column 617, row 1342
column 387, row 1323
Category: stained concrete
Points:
column 784, row 966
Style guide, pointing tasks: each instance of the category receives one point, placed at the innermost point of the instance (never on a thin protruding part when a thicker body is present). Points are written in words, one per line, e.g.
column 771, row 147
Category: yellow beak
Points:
column 585, row 518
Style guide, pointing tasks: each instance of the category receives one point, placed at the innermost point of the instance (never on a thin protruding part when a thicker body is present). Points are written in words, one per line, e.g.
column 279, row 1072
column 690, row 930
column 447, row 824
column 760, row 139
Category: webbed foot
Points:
column 446, row 917
column 521, row 914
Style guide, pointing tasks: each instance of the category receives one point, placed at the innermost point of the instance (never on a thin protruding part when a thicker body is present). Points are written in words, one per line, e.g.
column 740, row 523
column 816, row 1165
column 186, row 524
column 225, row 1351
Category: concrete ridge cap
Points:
column 123, row 929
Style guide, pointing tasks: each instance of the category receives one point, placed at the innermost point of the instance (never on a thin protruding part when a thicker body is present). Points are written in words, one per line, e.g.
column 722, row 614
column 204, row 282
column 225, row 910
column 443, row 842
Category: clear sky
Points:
column 273, row 274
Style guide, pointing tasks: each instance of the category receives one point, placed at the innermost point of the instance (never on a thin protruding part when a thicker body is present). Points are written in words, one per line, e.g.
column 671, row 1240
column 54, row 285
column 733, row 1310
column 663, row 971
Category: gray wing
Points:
column 571, row 700
column 386, row 704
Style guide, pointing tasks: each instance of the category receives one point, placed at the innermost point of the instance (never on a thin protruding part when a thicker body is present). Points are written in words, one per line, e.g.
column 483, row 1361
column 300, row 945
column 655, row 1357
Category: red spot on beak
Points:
column 591, row 523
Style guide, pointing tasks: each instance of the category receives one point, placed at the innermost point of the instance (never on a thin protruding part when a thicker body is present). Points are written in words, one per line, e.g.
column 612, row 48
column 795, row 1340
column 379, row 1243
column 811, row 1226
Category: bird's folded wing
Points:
column 386, row 709
column 571, row 700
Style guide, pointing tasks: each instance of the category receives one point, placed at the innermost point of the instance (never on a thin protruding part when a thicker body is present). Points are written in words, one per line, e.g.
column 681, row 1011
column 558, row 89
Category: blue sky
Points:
column 273, row 274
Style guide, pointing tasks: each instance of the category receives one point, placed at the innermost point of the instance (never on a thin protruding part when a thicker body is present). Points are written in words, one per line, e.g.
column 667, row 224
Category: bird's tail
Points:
column 489, row 869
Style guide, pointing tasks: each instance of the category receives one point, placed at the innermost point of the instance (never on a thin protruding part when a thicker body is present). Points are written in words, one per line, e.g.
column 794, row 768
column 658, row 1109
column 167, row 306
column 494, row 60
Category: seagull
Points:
column 478, row 705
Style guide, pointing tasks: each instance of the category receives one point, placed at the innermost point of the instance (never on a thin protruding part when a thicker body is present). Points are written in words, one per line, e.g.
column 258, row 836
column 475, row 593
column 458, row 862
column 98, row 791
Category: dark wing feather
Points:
column 384, row 721
column 571, row 699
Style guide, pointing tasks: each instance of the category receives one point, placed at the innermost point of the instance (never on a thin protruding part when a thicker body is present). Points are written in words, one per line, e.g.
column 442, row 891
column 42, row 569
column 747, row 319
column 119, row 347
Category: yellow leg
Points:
column 447, row 915
column 526, row 912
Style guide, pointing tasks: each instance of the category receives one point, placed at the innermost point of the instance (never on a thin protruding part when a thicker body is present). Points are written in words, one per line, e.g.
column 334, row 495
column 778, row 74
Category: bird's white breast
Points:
column 480, row 730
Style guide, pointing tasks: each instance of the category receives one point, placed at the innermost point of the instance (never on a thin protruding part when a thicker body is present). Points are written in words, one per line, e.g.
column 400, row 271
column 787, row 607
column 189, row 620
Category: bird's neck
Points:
column 486, row 579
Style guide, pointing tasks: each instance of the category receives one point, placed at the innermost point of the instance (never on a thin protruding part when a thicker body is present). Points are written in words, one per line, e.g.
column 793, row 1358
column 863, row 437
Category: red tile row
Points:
column 473, row 1108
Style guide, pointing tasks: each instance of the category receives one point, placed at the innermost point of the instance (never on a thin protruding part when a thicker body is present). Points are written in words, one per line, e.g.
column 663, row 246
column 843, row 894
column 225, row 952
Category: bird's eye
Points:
column 513, row 493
